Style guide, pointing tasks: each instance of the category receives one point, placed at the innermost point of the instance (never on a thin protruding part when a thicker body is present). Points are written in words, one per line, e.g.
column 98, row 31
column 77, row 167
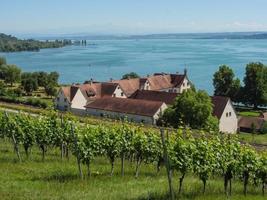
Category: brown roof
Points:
column 128, row 86
column 90, row 91
column 246, row 122
column 219, row 104
column 66, row 92
column 165, row 97
column 164, row 81
column 264, row 115
column 130, row 106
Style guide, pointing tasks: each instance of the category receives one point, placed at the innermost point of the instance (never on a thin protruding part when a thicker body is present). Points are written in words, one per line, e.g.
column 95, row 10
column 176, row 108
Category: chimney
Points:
column 111, row 79
column 177, row 72
column 91, row 81
column 185, row 71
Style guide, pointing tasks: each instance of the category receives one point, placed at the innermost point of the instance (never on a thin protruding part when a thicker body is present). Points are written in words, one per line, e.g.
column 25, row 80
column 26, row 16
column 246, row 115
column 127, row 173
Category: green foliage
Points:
column 11, row 74
column 225, row 83
column 28, row 82
column 2, row 60
column 9, row 43
column 50, row 89
column 130, row 75
column 203, row 155
column 192, row 108
column 264, row 128
column 255, row 88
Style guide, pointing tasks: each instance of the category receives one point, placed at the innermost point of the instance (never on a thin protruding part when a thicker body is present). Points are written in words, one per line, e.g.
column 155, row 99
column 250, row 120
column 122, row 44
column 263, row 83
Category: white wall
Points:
column 61, row 102
column 79, row 101
column 119, row 93
column 184, row 86
column 117, row 115
column 228, row 124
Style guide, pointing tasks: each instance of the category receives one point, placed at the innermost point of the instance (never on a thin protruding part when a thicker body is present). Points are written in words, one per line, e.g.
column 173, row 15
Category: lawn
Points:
column 250, row 138
column 249, row 113
column 57, row 179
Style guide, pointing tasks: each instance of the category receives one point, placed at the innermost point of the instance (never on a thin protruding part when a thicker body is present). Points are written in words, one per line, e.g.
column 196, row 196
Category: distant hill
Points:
column 226, row 35
column 10, row 43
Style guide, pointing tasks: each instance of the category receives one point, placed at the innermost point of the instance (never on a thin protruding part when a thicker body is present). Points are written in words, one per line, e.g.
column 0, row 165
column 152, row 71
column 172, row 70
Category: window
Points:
column 188, row 84
column 183, row 84
column 57, row 98
column 230, row 114
column 65, row 108
column 65, row 100
column 174, row 90
column 227, row 114
column 122, row 94
column 114, row 95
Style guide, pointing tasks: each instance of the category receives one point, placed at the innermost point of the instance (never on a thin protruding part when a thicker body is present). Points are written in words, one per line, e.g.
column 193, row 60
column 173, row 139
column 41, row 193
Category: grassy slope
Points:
column 56, row 179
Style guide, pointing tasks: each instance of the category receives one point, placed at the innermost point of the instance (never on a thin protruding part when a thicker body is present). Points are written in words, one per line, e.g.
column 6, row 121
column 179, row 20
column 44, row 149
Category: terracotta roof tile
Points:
column 246, row 122
column 130, row 106
column 219, row 104
column 129, row 86
column 165, row 97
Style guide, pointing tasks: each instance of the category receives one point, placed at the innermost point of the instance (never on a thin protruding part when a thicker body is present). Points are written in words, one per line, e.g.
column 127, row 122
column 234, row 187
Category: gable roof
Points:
column 164, row 81
column 128, row 86
column 130, row 106
column 150, row 95
column 219, row 104
column 246, row 122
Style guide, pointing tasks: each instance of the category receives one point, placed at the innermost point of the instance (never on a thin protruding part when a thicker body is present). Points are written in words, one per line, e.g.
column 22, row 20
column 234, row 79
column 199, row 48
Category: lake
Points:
column 105, row 59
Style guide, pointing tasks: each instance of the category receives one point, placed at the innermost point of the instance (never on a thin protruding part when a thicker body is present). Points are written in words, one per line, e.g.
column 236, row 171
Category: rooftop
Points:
column 130, row 106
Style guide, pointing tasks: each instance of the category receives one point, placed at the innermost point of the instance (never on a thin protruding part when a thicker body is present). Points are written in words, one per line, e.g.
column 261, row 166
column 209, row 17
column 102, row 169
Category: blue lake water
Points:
column 105, row 59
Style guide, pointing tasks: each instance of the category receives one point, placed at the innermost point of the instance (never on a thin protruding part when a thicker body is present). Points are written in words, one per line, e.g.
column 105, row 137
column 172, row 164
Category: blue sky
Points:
column 131, row 16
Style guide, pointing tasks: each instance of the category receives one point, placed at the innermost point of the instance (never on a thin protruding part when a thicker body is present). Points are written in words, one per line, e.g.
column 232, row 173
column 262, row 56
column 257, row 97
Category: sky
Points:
column 131, row 16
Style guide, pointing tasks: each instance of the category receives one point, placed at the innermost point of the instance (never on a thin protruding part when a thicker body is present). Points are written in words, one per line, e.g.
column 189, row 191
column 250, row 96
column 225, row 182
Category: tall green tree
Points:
column 192, row 108
column 29, row 84
column 12, row 74
column 130, row 75
column 255, row 85
column 50, row 89
column 2, row 61
column 225, row 83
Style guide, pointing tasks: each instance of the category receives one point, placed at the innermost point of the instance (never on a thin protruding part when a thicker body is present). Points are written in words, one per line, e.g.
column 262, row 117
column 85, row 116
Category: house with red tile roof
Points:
column 75, row 97
column 133, row 110
column 223, row 108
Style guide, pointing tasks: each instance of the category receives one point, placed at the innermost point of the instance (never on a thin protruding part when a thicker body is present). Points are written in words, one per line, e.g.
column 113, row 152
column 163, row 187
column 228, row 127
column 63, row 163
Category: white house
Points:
column 141, row 111
column 75, row 97
column 224, row 110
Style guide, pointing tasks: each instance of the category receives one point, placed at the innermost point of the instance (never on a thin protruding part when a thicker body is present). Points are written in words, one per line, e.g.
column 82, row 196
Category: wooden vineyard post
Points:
column 167, row 164
column 77, row 152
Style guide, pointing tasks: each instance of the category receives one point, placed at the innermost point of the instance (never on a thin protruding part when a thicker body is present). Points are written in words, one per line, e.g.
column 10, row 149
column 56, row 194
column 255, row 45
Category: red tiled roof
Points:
column 246, row 122
column 130, row 106
column 66, row 92
column 128, row 86
column 219, row 104
column 150, row 95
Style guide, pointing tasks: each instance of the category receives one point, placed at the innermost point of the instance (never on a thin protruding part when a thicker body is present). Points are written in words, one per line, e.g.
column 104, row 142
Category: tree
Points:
column 29, row 84
column 53, row 78
column 255, row 89
column 225, row 84
column 130, row 75
column 192, row 108
column 50, row 89
column 12, row 74
column 2, row 61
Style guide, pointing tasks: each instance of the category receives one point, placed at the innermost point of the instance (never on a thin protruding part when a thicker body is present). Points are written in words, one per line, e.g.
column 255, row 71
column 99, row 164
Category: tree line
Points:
column 29, row 81
column 205, row 155
column 10, row 43
column 252, row 92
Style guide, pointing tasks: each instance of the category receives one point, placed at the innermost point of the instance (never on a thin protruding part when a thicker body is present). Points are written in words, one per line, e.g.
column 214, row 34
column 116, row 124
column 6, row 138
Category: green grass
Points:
column 56, row 179
column 249, row 113
column 250, row 138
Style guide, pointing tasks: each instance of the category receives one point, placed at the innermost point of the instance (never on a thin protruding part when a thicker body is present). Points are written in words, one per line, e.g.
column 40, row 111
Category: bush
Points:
column 264, row 128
